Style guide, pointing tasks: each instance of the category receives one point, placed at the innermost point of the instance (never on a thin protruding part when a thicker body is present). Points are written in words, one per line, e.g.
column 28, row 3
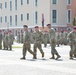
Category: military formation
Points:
column 52, row 36
column 6, row 38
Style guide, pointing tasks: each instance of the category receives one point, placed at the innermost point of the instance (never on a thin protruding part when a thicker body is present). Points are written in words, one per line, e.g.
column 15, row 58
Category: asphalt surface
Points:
column 10, row 63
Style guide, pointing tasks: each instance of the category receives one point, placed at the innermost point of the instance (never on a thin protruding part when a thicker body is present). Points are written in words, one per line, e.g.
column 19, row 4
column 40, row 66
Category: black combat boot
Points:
column 34, row 56
column 53, row 57
column 42, row 54
column 23, row 58
column 58, row 56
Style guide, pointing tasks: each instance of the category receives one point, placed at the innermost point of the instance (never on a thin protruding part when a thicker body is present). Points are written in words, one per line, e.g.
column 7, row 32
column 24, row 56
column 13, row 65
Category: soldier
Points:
column 10, row 39
column 0, row 39
column 21, row 36
column 37, row 42
column 57, row 38
column 3, row 38
column 6, row 40
column 72, row 42
column 26, row 44
column 52, row 39
column 45, row 38
column 18, row 37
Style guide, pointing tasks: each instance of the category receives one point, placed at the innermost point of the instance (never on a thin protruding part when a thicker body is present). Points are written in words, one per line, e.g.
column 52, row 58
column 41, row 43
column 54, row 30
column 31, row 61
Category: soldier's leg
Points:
column 24, row 52
column 29, row 50
column 71, row 52
column 0, row 45
column 75, row 52
column 40, row 48
column 52, row 52
column 35, row 51
column 55, row 51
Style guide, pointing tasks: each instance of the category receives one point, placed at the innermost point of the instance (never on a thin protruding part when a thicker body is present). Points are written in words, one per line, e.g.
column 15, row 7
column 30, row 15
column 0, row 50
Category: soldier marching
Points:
column 55, row 38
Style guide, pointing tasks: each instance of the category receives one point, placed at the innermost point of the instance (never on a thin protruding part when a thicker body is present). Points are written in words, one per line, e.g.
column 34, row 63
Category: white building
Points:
column 15, row 13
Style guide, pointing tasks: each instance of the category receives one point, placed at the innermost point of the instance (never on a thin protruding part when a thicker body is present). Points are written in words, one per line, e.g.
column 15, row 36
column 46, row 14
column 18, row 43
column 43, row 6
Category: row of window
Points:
column 16, row 18
column 54, row 17
column 16, row 3
column 36, row 3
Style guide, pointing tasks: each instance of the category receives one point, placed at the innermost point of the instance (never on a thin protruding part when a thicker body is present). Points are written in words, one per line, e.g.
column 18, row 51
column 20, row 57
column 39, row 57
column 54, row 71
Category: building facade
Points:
column 15, row 13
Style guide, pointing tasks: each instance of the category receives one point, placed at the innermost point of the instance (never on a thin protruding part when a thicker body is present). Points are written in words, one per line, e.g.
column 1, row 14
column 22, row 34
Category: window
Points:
column 54, row 16
column 0, row 5
column 5, row 18
column 36, row 2
column 27, row 1
column 0, row 19
column 15, row 19
column 5, row 4
column 21, row 2
column 36, row 17
column 54, row 1
column 69, row 1
column 69, row 16
column 21, row 17
column 15, row 4
column 27, row 16
column 10, row 5
column 10, row 20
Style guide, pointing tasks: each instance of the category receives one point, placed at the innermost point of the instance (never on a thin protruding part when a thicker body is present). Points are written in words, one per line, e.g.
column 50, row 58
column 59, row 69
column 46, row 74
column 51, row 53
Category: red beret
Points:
column 36, row 27
column 25, row 26
column 74, row 27
column 48, row 24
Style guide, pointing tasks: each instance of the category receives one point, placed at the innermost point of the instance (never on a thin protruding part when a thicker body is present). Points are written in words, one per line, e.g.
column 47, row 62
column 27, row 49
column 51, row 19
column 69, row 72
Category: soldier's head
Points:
column 74, row 28
column 49, row 26
column 25, row 27
column 36, row 28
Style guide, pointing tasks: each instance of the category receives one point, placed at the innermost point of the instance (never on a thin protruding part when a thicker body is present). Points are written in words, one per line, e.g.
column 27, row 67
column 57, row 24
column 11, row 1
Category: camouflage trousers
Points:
column 38, row 45
column 73, row 50
column 26, row 47
column 0, row 44
column 53, row 50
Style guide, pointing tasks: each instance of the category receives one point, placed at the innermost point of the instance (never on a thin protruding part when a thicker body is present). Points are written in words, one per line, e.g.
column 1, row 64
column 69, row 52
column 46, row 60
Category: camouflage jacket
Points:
column 37, row 37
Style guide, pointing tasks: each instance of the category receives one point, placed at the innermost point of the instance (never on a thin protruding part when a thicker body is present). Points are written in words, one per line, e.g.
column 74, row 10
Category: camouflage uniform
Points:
column 10, row 40
column 26, row 44
column 72, row 42
column 57, row 38
column 37, row 43
column 18, row 37
column 21, row 37
column 3, row 38
column 52, row 39
column 45, row 38
column 6, row 41
column 0, row 39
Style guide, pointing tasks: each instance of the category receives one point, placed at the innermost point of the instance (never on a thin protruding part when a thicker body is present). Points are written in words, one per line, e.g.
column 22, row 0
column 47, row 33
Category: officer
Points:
column 0, row 39
column 72, row 42
column 52, row 39
column 26, row 42
column 37, row 42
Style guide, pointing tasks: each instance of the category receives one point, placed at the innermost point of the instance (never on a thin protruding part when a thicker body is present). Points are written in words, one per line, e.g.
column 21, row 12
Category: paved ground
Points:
column 10, row 63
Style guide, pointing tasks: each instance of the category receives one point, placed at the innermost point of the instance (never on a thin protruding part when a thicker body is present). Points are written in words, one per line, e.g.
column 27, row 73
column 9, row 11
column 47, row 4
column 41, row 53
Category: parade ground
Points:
column 10, row 63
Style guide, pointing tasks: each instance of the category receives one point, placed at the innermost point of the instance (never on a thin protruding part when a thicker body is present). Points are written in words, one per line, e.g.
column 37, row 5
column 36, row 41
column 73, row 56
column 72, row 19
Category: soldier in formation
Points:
column 26, row 44
column 72, row 42
column 45, row 38
column 52, row 39
column 37, row 42
column 0, row 39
